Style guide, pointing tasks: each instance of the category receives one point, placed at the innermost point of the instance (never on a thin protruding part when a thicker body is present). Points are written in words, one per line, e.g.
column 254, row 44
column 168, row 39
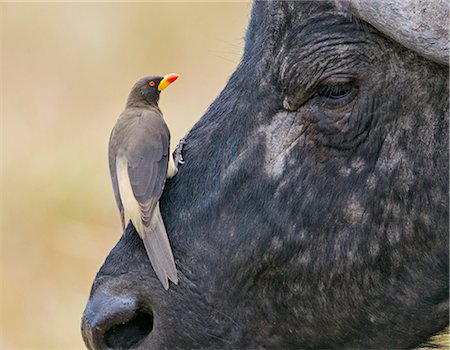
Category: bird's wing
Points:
column 147, row 168
column 113, row 172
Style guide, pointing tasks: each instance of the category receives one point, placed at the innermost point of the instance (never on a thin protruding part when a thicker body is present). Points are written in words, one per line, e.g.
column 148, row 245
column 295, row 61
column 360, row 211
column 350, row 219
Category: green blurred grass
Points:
column 66, row 71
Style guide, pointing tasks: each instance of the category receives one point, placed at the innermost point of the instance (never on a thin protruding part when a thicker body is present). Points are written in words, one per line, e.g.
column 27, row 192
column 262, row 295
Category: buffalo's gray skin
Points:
column 300, row 219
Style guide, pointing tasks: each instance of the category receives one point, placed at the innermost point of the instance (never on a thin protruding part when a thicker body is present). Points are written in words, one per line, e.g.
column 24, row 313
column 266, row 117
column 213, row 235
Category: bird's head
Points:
column 147, row 89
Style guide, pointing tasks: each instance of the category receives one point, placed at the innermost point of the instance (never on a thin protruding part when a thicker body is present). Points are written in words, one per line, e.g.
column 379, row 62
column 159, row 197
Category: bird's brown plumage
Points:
column 138, row 161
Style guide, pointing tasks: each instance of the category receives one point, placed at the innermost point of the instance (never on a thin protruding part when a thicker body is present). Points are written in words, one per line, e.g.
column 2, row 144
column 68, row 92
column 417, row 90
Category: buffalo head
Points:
column 312, row 210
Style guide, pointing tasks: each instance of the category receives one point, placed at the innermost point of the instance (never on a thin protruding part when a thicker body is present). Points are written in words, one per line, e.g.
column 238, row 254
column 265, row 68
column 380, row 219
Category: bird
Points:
column 139, row 163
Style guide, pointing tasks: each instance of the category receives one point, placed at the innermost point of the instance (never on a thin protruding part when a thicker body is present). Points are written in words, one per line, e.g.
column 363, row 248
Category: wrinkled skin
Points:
column 299, row 220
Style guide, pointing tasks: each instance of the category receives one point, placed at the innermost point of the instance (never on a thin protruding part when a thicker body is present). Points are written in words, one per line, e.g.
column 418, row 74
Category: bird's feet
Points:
column 177, row 154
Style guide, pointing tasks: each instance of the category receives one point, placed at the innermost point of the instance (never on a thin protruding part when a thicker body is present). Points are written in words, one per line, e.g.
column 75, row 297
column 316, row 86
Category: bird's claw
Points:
column 177, row 154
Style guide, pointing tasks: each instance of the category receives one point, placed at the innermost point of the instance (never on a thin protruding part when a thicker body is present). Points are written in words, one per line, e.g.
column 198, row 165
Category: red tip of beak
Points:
column 171, row 77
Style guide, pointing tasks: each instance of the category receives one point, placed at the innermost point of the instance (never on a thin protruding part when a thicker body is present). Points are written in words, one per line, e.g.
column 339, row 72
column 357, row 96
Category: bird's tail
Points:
column 159, row 251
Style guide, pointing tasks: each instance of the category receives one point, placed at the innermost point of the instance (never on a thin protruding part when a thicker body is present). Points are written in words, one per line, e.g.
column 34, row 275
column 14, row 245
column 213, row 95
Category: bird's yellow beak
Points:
column 167, row 80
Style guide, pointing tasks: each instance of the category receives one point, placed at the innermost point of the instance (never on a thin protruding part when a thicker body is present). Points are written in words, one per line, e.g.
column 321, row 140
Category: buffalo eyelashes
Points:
column 337, row 94
column 334, row 92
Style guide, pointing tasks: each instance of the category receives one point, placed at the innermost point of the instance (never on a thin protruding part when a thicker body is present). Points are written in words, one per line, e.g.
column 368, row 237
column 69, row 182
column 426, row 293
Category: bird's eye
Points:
column 152, row 83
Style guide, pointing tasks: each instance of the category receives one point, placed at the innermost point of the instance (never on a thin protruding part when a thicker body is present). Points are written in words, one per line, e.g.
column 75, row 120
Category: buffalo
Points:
column 312, row 207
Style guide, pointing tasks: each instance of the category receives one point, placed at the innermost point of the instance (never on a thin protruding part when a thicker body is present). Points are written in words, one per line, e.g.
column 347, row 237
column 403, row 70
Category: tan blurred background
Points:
column 67, row 69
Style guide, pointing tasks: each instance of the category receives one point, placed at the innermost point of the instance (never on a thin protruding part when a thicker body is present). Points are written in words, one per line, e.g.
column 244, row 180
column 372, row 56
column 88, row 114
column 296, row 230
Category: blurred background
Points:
column 67, row 69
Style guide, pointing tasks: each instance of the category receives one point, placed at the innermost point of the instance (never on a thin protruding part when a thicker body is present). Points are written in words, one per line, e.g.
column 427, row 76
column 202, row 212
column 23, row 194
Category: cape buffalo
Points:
column 312, row 208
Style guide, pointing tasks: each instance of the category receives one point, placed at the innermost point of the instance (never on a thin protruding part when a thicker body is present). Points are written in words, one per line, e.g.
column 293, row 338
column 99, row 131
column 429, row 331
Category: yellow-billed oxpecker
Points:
column 139, row 161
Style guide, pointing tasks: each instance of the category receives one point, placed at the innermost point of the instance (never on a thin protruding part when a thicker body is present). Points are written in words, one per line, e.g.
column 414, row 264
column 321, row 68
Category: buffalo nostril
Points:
column 129, row 333
column 115, row 322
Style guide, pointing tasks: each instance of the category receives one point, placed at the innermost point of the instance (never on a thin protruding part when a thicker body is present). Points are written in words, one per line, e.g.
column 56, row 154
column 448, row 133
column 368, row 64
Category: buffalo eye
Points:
column 335, row 94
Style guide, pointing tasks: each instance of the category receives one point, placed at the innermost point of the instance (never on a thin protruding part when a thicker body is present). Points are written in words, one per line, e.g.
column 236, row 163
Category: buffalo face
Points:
column 312, row 210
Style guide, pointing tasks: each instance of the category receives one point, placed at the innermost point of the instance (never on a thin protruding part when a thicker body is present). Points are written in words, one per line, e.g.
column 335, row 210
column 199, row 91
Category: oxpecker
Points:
column 139, row 162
